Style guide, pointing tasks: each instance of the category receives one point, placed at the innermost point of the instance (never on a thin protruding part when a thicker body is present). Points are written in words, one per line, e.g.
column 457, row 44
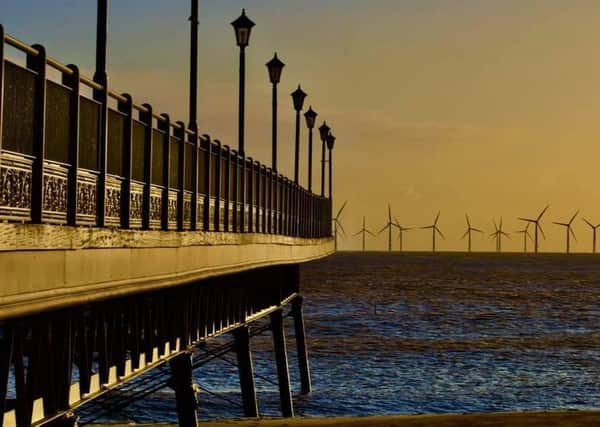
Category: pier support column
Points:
column 285, row 392
column 246, row 370
column 182, row 383
column 303, row 365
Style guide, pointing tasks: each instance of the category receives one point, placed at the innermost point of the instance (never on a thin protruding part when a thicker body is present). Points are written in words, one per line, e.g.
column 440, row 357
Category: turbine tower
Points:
column 401, row 231
column 364, row 232
column 594, row 229
column 389, row 226
column 336, row 224
column 434, row 230
column 538, row 227
column 570, row 232
column 498, row 234
column 469, row 230
column 526, row 235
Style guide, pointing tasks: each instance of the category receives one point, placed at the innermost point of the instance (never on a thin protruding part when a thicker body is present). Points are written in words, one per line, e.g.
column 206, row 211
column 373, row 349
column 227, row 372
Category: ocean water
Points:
column 407, row 333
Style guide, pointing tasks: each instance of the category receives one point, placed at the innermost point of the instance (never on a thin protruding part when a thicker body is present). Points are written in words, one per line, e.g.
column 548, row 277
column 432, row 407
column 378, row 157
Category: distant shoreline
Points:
column 565, row 418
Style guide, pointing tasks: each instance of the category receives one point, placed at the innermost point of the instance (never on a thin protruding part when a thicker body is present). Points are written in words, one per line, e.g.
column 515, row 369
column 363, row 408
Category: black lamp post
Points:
column 323, row 132
column 275, row 66
column 193, row 123
column 242, row 27
column 310, row 117
column 298, row 97
column 330, row 142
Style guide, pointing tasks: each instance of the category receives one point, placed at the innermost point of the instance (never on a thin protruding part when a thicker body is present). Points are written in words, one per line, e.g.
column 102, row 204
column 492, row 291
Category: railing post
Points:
column 285, row 392
column 1, row 86
column 269, row 201
column 127, row 109
column 194, row 208
column 236, row 168
column 207, row 183
column 146, row 118
column 217, row 216
column 180, row 133
column 227, row 183
column 258, row 196
column 165, row 126
column 244, row 202
column 264, row 198
column 297, row 313
column 71, row 81
column 37, row 63
column 250, row 201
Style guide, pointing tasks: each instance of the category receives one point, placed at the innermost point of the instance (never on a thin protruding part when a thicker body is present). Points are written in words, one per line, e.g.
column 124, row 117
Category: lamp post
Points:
column 275, row 66
column 298, row 97
column 310, row 117
column 193, row 108
column 323, row 132
column 242, row 27
column 330, row 142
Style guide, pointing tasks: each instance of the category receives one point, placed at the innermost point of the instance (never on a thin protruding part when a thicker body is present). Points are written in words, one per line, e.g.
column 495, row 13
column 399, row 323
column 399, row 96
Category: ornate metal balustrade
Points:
column 66, row 158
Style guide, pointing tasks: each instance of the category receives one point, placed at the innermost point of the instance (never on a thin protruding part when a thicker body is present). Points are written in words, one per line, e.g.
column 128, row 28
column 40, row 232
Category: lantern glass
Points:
column 275, row 66
column 242, row 27
column 298, row 97
column 310, row 117
column 330, row 141
column 324, row 131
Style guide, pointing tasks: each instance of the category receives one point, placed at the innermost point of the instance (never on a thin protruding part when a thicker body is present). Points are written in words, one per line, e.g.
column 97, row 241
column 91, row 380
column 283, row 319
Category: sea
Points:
column 412, row 333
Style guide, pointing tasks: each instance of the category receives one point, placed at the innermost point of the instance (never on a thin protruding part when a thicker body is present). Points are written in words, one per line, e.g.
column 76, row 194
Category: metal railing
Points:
column 66, row 158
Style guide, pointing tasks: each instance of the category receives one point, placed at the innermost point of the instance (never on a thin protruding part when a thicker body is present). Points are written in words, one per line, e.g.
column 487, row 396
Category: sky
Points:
column 490, row 108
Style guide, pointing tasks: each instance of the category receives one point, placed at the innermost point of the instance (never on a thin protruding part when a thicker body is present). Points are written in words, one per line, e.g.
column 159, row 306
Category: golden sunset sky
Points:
column 479, row 106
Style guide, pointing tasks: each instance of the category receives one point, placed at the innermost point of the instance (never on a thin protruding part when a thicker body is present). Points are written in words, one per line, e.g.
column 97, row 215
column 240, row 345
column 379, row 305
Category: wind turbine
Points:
column 401, row 231
column 594, row 229
column 538, row 227
column 570, row 231
column 389, row 226
column 526, row 235
column 364, row 231
column 434, row 230
column 336, row 224
column 498, row 235
column 469, row 230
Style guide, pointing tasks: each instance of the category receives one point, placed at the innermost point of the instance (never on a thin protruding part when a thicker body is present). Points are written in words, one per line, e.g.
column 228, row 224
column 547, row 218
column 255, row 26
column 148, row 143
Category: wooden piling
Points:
column 246, row 371
column 182, row 383
column 285, row 392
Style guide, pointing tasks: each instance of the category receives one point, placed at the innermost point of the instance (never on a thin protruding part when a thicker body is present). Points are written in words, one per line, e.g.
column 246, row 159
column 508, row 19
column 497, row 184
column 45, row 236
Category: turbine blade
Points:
column 505, row 234
column 370, row 233
column 587, row 222
column 437, row 217
column 477, row 230
column 341, row 228
column 465, row 235
column 541, row 230
column 572, row 233
column 341, row 209
column 428, row 226
column 380, row 231
column 468, row 223
column 543, row 212
column 389, row 213
column 526, row 219
column 440, row 232
column 573, row 217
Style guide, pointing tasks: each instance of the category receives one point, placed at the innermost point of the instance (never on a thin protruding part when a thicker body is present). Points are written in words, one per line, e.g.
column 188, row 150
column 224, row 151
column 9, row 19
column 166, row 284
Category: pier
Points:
column 128, row 240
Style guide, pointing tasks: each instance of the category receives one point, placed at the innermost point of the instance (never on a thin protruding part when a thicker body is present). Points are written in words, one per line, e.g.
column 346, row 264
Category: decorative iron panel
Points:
column 156, row 195
column 213, row 174
column 113, row 200
column 58, row 122
column 211, row 213
column 200, row 212
column 158, row 156
column 221, row 214
column 187, row 209
column 87, row 190
column 15, row 186
column 136, row 202
column 201, row 170
column 89, row 127
column 116, row 141
column 54, row 200
column 18, row 112
column 173, row 208
column 138, row 136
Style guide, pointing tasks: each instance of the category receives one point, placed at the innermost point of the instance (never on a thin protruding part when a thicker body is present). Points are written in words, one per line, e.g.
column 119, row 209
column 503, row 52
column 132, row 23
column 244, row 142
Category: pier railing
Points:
column 77, row 153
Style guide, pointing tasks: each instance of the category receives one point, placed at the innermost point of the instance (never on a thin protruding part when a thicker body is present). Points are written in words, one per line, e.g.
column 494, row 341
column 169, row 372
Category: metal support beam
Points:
column 182, row 383
column 246, row 371
column 279, row 347
column 303, row 365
